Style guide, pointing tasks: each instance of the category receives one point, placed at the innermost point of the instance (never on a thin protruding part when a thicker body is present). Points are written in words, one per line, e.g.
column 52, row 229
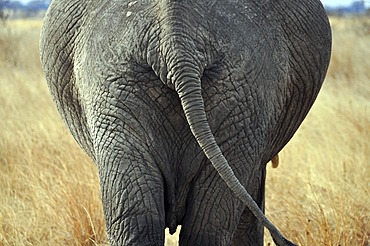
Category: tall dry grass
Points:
column 320, row 194
column 49, row 191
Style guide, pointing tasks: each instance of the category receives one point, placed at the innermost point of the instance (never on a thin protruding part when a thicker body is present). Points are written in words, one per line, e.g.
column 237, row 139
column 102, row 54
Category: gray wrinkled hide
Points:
column 122, row 73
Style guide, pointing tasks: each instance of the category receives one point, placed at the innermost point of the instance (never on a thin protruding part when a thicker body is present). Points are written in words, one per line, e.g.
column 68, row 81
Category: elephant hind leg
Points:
column 133, row 198
column 249, row 230
column 146, row 229
column 212, row 211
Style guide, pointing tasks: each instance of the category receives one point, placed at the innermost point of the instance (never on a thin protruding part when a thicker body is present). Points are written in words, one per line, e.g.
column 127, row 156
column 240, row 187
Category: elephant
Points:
column 182, row 103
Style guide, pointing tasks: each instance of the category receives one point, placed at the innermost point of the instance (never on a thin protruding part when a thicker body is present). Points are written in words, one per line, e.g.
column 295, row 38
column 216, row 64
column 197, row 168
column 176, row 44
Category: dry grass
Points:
column 49, row 191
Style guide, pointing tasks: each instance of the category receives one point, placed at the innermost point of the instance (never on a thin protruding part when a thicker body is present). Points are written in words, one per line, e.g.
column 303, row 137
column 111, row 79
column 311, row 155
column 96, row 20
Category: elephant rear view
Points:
column 182, row 103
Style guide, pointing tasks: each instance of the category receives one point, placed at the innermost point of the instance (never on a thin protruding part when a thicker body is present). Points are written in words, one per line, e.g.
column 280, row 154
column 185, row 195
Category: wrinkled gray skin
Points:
column 129, row 78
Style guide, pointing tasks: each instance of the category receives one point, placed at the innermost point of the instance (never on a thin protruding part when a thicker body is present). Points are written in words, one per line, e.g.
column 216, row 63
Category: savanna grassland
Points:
column 319, row 194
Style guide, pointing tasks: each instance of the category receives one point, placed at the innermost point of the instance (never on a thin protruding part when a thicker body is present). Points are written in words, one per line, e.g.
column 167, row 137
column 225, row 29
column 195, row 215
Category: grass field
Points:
column 319, row 195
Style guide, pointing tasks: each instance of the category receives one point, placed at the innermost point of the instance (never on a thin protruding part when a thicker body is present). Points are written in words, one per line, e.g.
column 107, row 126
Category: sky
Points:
column 336, row 3
column 330, row 3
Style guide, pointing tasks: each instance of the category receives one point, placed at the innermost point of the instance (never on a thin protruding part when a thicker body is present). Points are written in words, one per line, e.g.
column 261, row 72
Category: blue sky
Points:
column 334, row 3
column 331, row 3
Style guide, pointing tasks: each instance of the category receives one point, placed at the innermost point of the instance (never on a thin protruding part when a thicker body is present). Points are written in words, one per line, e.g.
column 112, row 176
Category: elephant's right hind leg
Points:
column 211, row 213
column 249, row 231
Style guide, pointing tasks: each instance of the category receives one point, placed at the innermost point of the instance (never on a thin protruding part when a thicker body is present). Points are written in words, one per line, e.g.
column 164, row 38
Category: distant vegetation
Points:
column 15, row 9
column 2, row 13
column 356, row 8
column 36, row 8
column 49, row 189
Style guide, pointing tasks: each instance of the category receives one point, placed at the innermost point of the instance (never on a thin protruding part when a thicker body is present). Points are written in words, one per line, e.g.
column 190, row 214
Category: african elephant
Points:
column 182, row 103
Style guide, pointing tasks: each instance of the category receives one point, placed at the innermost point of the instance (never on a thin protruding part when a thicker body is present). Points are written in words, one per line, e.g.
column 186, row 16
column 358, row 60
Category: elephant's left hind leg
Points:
column 133, row 203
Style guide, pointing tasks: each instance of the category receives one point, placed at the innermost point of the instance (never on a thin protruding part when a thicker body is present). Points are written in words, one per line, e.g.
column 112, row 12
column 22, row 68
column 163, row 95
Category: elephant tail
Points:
column 188, row 86
column 183, row 71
